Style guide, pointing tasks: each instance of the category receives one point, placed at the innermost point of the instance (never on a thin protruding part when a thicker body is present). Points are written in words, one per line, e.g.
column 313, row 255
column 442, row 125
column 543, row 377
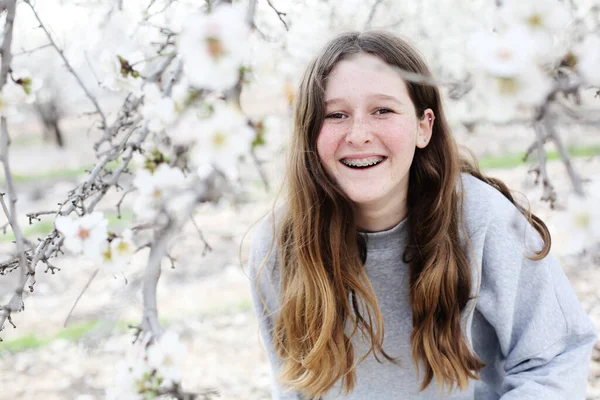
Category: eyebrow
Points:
column 376, row 96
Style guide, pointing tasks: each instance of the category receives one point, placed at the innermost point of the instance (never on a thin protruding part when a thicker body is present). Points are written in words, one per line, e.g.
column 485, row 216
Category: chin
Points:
column 362, row 199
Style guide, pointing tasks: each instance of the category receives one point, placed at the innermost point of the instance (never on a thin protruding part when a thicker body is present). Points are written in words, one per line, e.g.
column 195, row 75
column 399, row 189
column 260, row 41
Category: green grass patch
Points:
column 27, row 342
column 27, row 140
column 512, row 160
column 72, row 333
column 31, row 341
column 65, row 173
column 242, row 305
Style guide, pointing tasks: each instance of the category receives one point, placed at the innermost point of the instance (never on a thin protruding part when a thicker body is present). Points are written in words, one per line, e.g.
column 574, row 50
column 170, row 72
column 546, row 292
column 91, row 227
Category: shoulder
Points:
column 489, row 214
column 484, row 205
column 264, row 248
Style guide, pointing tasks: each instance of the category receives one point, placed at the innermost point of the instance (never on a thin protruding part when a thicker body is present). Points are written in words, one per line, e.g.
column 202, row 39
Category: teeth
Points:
column 362, row 162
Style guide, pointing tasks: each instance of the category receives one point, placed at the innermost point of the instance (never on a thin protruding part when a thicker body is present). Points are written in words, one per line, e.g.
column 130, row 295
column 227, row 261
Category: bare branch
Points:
column 158, row 249
column 261, row 172
column 87, row 60
column 36, row 215
column 69, row 67
column 564, row 155
column 372, row 13
column 207, row 246
column 16, row 302
column 279, row 15
column 121, row 201
column 549, row 193
column 87, row 285
column 250, row 12
column 30, row 51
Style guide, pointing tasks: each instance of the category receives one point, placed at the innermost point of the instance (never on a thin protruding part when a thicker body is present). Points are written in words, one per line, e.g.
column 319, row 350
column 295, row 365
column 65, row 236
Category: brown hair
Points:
column 323, row 282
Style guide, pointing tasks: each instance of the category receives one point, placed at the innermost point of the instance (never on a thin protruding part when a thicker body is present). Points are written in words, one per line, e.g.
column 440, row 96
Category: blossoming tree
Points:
column 180, row 70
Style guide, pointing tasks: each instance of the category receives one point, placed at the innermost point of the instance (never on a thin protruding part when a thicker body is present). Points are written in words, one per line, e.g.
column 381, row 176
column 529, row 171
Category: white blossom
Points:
column 221, row 139
column 543, row 20
column 506, row 98
column 133, row 374
column 587, row 56
column 14, row 95
column 579, row 225
column 158, row 110
column 511, row 83
column 166, row 356
column 504, row 55
column 214, row 46
column 155, row 188
column 125, row 387
column 118, row 253
column 537, row 16
column 119, row 72
column 84, row 235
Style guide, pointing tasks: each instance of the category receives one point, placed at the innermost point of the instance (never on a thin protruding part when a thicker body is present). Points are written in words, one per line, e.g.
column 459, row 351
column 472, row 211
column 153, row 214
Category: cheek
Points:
column 327, row 144
column 399, row 136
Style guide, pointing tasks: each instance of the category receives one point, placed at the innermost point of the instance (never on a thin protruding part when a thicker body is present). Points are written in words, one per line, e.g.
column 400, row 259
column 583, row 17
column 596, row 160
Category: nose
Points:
column 359, row 133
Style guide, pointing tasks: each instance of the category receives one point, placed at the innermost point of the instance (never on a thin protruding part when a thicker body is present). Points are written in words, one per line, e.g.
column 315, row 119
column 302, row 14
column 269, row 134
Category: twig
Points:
column 69, row 67
column 87, row 60
column 564, row 155
column 148, row 16
column 207, row 247
column 279, row 14
column 31, row 50
column 121, row 201
column 150, row 5
column 549, row 194
column 87, row 285
column 372, row 13
column 261, row 172
column 535, row 145
column 35, row 215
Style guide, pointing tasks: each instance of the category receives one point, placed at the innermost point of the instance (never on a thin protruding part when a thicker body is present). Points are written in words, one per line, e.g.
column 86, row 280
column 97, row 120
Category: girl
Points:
column 395, row 269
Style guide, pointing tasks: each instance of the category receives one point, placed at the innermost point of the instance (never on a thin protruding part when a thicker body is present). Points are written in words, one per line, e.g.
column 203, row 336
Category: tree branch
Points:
column 16, row 302
column 207, row 247
column 279, row 14
column 564, row 155
column 87, row 285
column 372, row 13
column 549, row 194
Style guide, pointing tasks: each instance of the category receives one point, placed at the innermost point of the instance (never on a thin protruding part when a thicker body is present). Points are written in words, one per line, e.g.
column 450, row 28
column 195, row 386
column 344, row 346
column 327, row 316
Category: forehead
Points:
column 362, row 73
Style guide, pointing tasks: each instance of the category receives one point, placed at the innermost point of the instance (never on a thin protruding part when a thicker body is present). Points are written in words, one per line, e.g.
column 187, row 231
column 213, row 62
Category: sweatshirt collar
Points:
column 394, row 237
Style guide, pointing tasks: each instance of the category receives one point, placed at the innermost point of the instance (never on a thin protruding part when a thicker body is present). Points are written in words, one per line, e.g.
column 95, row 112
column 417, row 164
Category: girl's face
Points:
column 368, row 138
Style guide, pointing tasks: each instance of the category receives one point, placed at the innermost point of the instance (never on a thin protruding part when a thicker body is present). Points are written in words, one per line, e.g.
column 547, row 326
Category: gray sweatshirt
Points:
column 526, row 323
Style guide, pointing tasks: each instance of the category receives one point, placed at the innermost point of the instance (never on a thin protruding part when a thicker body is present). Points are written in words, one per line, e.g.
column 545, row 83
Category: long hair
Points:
column 323, row 281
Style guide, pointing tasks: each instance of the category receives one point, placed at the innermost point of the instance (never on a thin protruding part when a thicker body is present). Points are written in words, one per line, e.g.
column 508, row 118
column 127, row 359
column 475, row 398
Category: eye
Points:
column 335, row 116
column 381, row 111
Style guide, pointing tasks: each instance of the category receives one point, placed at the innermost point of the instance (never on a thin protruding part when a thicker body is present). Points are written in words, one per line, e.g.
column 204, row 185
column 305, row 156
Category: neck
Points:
column 377, row 218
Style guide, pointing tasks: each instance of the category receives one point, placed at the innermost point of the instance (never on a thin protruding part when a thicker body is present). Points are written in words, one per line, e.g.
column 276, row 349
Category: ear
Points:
column 424, row 128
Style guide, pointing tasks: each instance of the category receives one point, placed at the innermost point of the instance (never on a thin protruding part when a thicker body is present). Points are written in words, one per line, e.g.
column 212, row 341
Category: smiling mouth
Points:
column 364, row 163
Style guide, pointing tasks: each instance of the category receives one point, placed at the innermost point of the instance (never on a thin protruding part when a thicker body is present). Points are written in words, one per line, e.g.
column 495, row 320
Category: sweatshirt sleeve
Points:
column 265, row 283
column 533, row 334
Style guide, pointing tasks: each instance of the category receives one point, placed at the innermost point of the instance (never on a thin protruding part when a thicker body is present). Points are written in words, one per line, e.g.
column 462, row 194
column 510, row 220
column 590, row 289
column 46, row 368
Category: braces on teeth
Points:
column 362, row 163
